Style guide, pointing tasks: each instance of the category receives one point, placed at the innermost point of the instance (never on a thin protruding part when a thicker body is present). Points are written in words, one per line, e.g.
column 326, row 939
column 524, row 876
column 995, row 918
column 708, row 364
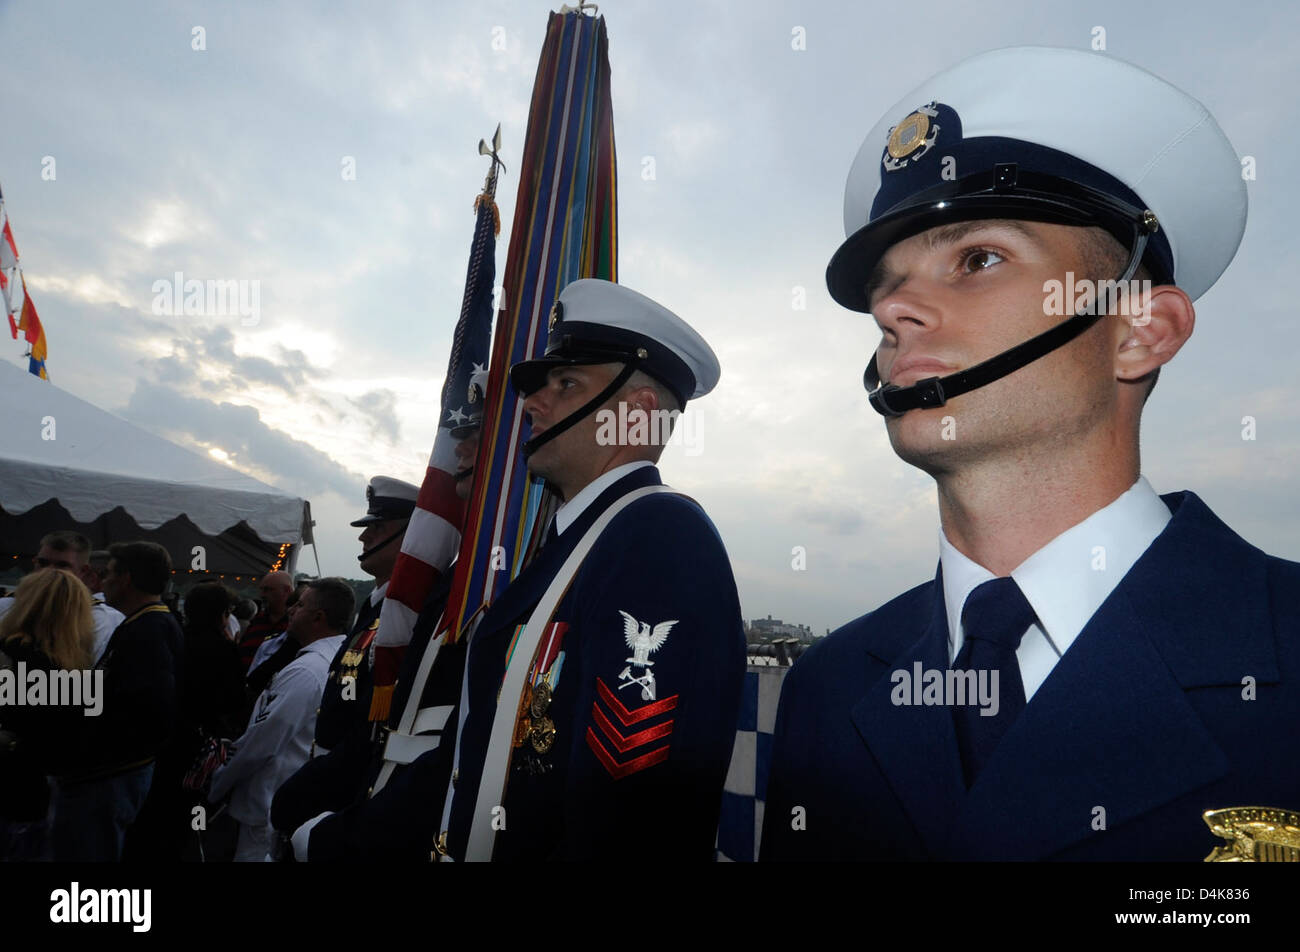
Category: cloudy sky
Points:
column 226, row 163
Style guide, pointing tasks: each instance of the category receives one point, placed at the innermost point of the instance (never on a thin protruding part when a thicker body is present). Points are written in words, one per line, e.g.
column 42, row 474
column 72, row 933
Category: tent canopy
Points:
column 54, row 446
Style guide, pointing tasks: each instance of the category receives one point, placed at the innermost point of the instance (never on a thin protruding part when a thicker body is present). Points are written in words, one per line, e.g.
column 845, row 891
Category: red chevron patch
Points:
column 641, row 713
column 619, row 771
column 623, row 743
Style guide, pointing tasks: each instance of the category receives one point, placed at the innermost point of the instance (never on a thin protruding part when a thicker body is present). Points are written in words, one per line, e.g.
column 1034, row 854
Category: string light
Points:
column 279, row 559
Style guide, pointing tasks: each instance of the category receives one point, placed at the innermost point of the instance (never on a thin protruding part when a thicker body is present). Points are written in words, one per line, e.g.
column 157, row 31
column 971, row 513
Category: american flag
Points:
column 433, row 536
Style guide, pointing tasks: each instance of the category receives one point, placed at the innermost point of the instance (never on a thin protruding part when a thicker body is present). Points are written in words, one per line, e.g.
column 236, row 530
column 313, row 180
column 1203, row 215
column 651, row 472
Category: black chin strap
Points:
column 375, row 548
column 537, row 442
column 891, row 401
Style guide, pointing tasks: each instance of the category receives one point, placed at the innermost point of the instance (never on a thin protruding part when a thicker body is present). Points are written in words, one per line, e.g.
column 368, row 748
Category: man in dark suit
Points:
column 1094, row 665
column 622, row 733
column 95, row 807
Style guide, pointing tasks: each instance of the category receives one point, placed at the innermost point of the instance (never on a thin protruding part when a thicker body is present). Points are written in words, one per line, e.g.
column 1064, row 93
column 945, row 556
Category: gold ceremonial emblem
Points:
column 908, row 135
column 556, row 311
column 473, row 393
column 541, row 700
column 1255, row 835
column 543, row 734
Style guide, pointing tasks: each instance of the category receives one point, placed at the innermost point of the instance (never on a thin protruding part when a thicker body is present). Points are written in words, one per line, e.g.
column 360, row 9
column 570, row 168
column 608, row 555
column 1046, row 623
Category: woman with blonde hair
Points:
column 49, row 627
column 51, row 615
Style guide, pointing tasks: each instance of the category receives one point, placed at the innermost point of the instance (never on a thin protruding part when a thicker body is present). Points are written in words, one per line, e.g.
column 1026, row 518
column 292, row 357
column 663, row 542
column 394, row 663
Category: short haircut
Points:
column 1104, row 259
column 667, row 401
column 639, row 379
column 336, row 600
column 66, row 540
column 98, row 560
column 148, row 564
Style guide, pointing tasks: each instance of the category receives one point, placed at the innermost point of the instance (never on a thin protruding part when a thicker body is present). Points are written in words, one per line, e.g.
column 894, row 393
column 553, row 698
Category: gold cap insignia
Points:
column 557, row 315
column 911, row 138
column 1255, row 835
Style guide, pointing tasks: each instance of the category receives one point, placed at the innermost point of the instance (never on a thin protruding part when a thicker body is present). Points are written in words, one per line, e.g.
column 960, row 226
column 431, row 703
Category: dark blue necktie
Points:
column 994, row 619
column 552, row 533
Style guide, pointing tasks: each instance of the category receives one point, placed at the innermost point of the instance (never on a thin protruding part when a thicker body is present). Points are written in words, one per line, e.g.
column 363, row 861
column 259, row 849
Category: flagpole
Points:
column 433, row 536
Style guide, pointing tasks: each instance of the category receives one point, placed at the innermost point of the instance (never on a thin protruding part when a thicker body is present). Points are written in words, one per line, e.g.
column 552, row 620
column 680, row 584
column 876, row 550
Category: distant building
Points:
column 763, row 630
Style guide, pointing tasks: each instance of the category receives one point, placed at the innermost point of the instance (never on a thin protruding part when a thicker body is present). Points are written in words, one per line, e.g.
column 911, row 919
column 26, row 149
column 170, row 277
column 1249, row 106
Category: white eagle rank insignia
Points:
column 911, row 138
column 643, row 641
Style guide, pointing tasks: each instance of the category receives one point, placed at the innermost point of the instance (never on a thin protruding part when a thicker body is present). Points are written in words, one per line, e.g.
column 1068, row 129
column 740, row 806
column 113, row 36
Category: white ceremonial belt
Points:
column 424, row 737
column 403, row 748
column 432, row 719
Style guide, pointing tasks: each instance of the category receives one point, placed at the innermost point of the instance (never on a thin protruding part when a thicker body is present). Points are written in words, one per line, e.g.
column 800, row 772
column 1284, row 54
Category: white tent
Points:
column 55, row 447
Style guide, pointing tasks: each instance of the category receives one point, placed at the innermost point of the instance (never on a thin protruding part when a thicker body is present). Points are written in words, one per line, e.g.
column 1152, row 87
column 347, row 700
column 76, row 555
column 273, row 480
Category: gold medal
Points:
column 1255, row 835
column 541, row 700
column 543, row 734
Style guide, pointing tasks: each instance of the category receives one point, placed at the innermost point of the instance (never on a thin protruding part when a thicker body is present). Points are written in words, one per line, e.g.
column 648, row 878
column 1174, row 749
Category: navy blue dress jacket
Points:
column 1181, row 694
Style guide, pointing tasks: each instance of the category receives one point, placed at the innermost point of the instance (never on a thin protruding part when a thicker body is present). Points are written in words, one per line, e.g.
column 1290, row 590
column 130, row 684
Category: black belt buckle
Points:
column 930, row 392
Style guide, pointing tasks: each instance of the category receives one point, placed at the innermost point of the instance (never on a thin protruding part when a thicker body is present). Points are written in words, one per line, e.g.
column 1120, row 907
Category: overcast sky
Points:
column 226, row 163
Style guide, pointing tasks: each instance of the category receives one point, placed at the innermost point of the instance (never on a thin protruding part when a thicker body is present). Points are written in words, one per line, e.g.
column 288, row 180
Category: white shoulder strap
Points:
column 491, row 791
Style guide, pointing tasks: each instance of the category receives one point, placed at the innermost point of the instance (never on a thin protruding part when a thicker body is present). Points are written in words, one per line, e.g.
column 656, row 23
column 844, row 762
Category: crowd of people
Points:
column 116, row 770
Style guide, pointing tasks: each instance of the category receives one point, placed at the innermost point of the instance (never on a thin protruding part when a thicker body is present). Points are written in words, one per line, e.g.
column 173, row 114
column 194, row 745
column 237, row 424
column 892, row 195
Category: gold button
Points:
column 455, row 775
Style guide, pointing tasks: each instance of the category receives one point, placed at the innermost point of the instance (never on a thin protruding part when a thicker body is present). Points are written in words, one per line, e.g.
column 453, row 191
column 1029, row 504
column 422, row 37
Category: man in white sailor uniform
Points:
column 279, row 733
column 600, row 704
column 1093, row 665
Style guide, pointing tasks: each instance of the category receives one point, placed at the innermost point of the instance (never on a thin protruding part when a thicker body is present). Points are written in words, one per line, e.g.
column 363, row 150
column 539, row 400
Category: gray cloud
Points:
column 298, row 467
column 202, row 351
column 379, row 411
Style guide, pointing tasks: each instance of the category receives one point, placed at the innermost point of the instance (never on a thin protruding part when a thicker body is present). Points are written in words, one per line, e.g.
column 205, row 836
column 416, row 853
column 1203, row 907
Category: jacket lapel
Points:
column 1112, row 726
column 914, row 744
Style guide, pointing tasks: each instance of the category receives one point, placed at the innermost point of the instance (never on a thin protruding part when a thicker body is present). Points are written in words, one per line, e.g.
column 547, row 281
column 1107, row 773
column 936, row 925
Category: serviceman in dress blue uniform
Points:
column 1094, row 665
column 342, row 778
column 622, row 734
column 342, row 724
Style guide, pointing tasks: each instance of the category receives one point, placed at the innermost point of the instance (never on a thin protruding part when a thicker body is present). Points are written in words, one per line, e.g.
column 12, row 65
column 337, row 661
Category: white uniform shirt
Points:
column 105, row 617
column 1065, row 581
column 279, row 735
column 232, row 627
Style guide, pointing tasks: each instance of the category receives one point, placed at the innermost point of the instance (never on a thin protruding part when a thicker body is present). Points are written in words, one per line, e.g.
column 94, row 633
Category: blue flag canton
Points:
column 467, row 370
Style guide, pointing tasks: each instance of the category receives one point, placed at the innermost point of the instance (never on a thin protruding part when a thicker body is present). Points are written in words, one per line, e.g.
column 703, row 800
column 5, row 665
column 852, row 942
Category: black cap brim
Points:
column 529, row 376
column 1004, row 192
column 857, row 257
